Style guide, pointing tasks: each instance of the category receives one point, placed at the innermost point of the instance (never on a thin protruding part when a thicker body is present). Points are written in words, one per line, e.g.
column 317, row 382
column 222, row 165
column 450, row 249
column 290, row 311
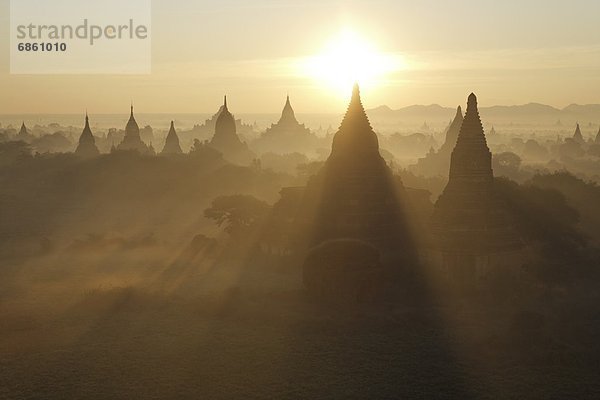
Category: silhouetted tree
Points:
column 506, row 164
column 238, row 213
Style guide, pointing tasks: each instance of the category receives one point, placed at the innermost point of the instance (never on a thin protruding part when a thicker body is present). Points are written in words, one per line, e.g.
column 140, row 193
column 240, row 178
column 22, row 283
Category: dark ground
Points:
column 267, row 342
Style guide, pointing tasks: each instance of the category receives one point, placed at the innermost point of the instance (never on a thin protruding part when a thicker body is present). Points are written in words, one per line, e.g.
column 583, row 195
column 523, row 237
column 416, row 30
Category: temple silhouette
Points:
column 132, row 140
column 87, row 144
column 354, row 196
column 577, row 136
column 438, row 162
column 24, row 134
column 172, row 145
column 287, row 135
column 227, row 142
column 472, row 230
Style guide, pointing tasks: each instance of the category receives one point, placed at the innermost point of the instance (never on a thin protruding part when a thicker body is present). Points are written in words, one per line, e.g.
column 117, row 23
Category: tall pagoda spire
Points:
column 355, row 135
column 226, row 139
column 355, row 194
column 577, row 136
column 132, row 139
column 453, row 131
column 23, row 130
column 471, row 156
column 172, row 145
column 288, row 116
column 87, row 142
column 132, row 129
column 469, row 217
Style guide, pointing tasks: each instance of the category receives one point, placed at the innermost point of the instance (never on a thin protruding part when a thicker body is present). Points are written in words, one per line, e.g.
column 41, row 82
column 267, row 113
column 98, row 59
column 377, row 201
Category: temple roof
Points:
column 577, row 136
column 471, row 128
column 87, row 142
column 225, row 124
column 172, row 145
column 471, row 155
column 355, row 135
column 288, row 116
column 132, row 126
column 23, row 130
column 453, row 131
column 86, row 134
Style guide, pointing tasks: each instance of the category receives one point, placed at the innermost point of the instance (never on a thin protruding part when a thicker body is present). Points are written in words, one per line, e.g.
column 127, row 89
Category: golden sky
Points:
column 424, row 52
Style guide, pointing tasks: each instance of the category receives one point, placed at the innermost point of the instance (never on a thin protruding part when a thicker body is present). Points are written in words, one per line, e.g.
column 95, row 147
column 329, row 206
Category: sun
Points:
column 349, row 58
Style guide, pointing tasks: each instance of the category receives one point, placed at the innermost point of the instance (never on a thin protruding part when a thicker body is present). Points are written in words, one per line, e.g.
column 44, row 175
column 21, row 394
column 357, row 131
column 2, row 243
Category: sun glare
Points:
column 349, row 58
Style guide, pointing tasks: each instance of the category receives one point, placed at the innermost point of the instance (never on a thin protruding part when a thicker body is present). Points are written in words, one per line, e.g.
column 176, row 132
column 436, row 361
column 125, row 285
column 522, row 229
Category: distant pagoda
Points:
column 87, row 144
column 355, row 195
column 24, row 134
column 437, row 163
column 226, row 140
column 597, row 141
column 287, row 135
column 577, row 136
column 470, row 223
column 132, row 140
column 172, row 145
column 452, row 132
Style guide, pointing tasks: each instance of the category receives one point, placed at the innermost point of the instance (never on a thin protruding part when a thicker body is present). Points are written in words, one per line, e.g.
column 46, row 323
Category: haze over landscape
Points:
column 305, row 199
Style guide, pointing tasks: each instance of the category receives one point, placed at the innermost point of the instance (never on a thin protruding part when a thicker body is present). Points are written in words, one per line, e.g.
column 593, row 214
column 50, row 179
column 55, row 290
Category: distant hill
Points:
column 532, row 113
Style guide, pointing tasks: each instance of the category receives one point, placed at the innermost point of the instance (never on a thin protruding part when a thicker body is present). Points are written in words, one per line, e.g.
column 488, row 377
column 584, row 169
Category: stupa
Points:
column 287, row 135
column 437, row 162
column 172, row 145
column 132, row 140
column 577, row 136
column 87, row 144
column 355, row 195
column 226, row 140
column 471, row 226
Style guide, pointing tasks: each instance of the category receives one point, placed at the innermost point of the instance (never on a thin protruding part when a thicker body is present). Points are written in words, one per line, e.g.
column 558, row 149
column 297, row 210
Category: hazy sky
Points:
column 508, row 52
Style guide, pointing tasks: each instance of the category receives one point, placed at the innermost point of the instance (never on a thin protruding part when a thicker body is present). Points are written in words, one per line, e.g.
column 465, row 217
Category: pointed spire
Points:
column 172, row 145
column 225, row 102
column 355, row 134
column 287, row 115
column 87, row 142
column 452, row 132
column 471, row 126
column 577, row 136
column 23, row 130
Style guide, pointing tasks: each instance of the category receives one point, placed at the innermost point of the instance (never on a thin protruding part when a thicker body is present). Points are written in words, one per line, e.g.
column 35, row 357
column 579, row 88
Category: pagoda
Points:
column 226, row 140
column 470, row 222
column 287, row 135
column 355, row 195
column 577, row 136
column 132, row 140
column 87, row 144
column 452, row 133
column 24, row 134
column 172, row 145
column 597, row 141
column 437, row 163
